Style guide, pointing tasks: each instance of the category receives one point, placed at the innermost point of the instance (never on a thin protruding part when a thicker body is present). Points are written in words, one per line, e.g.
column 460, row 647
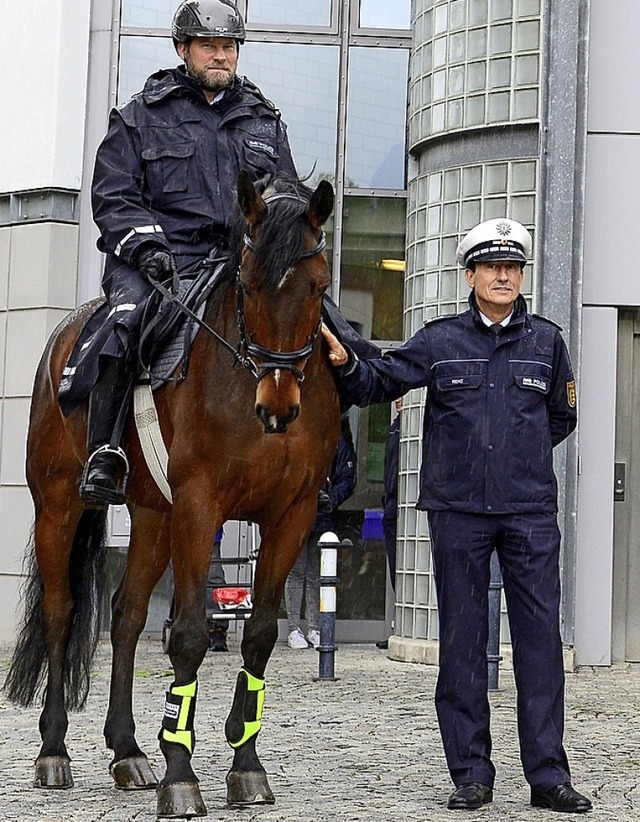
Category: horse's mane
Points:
column 281, row 237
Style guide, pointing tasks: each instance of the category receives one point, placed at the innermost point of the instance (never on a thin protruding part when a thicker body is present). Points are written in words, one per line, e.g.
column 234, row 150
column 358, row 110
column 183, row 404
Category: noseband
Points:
column 274, row 360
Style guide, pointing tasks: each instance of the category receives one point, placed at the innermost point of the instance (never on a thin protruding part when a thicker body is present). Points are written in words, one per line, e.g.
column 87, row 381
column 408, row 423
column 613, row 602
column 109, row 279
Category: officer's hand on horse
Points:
column 337, row 353
column 157, row 264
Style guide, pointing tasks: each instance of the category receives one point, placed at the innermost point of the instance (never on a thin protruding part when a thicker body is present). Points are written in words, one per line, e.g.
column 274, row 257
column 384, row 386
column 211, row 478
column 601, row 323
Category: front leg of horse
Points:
column 178, row 794
column 247, row 782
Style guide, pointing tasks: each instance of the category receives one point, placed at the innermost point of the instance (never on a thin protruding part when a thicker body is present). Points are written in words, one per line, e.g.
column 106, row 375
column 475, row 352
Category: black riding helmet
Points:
column 207, row 18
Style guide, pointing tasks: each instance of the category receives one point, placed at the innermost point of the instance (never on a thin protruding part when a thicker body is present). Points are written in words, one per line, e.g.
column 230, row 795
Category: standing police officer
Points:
column 501, row 395
column 164, row 190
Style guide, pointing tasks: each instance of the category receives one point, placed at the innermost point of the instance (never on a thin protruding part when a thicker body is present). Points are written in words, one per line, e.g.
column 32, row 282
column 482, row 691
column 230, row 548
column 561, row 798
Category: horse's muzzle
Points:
column 273, row 423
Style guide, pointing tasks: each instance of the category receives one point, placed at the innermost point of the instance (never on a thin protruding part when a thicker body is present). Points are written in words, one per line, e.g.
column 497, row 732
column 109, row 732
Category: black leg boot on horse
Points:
column 104, row 478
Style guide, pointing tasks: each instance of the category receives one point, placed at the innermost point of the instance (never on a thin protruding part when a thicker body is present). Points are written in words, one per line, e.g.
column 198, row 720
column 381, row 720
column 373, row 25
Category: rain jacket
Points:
column 167, row 168
column 339, row 486
column 495, row 408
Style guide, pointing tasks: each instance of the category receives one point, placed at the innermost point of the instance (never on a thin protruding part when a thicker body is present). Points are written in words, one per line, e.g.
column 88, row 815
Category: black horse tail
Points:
column 28, row 669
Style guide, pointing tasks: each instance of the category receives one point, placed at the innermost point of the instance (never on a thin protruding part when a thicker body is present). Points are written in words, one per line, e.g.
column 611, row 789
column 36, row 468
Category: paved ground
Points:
column 362, row 749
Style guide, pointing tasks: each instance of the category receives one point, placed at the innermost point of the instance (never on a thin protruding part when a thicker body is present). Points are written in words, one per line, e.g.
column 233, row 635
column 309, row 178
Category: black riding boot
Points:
column 105, row 474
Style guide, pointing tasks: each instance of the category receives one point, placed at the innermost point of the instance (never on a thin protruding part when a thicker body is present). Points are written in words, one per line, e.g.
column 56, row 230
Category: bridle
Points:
column 274, row 360
column 247, row 349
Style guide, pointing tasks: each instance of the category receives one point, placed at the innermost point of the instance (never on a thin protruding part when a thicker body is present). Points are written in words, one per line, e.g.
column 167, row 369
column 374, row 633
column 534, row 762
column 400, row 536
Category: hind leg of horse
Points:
column 247, row 782
column 193, row 530
column 147, row 559
column 53, row 535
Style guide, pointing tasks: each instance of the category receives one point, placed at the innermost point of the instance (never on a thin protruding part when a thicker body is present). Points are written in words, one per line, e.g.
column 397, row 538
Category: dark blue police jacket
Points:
column 167, row 168
column 495, row 408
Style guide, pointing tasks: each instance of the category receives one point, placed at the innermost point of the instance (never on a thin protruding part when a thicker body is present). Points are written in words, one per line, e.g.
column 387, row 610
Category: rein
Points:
column 248, row 349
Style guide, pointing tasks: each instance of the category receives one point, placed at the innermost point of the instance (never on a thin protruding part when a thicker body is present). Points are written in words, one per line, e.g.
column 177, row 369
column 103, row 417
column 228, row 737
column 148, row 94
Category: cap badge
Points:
column 503, row 229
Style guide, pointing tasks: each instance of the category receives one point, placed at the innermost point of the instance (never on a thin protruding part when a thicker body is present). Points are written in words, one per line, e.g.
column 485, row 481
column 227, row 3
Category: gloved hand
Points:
column 156, row 263
column 324, row 503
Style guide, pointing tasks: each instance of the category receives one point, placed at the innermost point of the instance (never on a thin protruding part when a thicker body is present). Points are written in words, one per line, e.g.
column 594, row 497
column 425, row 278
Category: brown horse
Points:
column 250, row 442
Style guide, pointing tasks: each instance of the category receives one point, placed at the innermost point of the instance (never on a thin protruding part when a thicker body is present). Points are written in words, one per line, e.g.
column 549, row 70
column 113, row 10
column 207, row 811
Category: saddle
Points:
column 169, row 333
column 166, row 338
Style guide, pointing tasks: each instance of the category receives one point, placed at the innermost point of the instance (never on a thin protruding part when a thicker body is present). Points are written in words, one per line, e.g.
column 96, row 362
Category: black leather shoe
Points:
column 218, row 639
column 100, row 485
column 562, row 798
column 470, row 796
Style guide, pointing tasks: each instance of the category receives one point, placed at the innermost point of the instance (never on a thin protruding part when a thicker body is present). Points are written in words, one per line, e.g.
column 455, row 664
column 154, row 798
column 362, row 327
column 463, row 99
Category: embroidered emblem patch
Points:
column 534, row 382
column 571, row 394
column 260, row 146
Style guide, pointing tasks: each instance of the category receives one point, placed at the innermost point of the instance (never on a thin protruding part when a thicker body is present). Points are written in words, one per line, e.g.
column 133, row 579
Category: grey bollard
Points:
column 328, row 544
column 493, row 643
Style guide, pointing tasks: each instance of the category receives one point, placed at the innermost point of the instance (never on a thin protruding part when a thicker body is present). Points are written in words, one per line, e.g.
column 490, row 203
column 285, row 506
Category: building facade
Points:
column 427, row 117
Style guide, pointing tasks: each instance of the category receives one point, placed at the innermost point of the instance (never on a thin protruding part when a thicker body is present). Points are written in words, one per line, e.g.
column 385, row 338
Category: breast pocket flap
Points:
column 455, row 382
column 178, row 151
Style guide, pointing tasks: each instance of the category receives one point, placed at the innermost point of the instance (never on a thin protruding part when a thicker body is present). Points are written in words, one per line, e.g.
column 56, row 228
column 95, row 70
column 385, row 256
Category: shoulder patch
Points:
column 441, row 318
column 546, row 320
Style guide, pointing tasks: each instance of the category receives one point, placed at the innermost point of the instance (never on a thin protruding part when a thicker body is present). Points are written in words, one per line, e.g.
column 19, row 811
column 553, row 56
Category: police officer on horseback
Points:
column 163, row 195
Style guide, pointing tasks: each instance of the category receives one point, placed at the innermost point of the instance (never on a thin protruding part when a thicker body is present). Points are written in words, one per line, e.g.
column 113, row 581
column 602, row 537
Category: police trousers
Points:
column 528, row 547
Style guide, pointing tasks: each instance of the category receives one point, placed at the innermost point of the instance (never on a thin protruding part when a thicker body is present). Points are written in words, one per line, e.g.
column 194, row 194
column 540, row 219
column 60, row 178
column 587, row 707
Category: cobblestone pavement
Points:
column 362, row 749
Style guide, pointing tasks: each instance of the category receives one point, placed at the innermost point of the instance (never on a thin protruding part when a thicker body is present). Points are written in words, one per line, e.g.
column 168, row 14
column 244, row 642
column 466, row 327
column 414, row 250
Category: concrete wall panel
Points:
column 16, row 515
column 614, row 66
column 594, row 556
column 27, row 334
column 612, row 217
column 43, row 266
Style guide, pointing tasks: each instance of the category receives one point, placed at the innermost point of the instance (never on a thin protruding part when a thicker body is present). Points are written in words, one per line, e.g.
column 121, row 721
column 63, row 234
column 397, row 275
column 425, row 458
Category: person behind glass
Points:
column 304, row 577
column 390, row 499
column 501, row 395
column 216, row 626
column 163, row 193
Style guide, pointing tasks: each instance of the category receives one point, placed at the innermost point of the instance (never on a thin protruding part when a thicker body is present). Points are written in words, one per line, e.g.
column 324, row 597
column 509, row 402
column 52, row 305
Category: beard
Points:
column 213, row 80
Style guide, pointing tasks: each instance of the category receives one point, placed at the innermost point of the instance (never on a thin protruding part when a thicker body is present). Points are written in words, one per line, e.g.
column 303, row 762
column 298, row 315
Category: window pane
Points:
column 154, row 14
column 286, row 72
column 284, row 12
column 372, row 275
column 375, row 143
column 381, row 14
column 140, row 57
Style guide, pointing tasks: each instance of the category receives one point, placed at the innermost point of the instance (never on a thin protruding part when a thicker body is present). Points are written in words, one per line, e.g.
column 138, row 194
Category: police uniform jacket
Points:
column 167, row 168
column 495, row 408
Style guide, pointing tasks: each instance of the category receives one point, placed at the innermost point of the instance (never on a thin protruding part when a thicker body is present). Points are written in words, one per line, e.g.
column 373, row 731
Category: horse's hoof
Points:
column 53, row 772
column 180, row 800
column 133, row 774
column 248, row 788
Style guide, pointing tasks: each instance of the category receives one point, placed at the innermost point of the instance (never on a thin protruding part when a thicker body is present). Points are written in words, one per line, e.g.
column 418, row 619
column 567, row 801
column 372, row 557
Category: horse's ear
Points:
column 320, row 204
column 252, row 205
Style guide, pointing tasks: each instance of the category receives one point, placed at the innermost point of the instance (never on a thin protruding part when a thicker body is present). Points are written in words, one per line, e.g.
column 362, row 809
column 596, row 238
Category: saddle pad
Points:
column 173, row 333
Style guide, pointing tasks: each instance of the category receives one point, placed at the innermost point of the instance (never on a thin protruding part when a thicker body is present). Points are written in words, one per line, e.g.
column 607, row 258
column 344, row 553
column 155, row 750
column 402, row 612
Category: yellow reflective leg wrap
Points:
column 179, row 713
column 251, row 726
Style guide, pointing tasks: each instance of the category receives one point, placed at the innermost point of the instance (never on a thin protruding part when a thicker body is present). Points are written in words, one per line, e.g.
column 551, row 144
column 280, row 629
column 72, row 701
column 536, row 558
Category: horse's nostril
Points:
column 274, row 424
